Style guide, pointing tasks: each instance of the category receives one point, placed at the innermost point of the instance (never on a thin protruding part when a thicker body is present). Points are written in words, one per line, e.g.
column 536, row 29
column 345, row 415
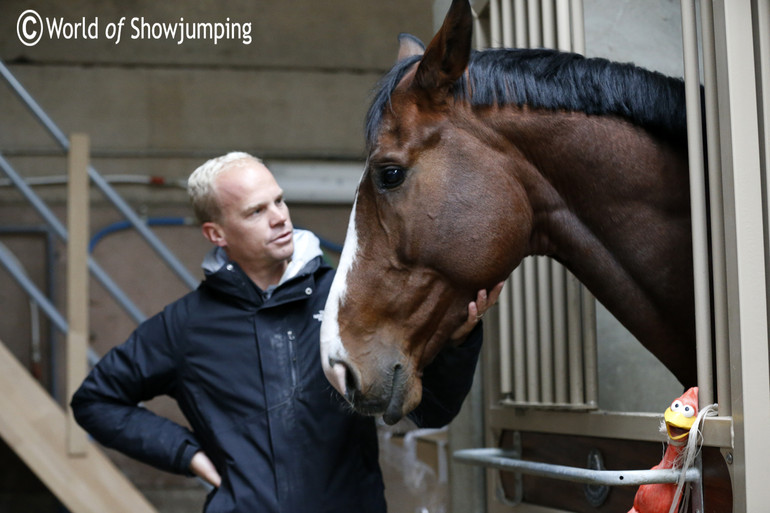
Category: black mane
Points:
column 553, row 80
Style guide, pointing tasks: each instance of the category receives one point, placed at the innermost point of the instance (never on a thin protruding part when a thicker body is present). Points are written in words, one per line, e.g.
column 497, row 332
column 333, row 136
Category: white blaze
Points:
column 331, row 343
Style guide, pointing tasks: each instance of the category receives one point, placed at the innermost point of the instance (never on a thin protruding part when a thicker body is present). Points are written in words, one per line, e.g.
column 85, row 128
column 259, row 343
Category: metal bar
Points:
column 510, row 461
column 558, row 272
column 18, row 274
column 48, row 216
column 559, row 305
column 533, row 24
column 495, row 34
column 697, row 492
column 698, row 210
column 762, row 58
column 548, row 27
column 545, row 328
column 479, row 32
column 588, row 309
column 574, row 341
column 50, row 258
column 504, row 339
column 50, row 281
column 716, row 208
column 58, row 228
column 506, row 12
column 717, row 431
column 155, row 243
column 744, row 233
column 578, row 27
column 585, row 385
column 520, row 14
column 563, row 26
column 530, row 299
column 519, row 338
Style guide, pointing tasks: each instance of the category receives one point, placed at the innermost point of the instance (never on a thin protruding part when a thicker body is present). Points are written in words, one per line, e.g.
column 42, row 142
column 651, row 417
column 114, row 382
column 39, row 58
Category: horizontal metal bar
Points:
column 717, row 431
column 560, row 406
column 508, row 460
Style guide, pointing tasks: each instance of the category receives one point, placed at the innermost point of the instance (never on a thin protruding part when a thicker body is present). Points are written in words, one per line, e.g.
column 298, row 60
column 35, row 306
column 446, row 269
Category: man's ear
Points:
column 213, row 232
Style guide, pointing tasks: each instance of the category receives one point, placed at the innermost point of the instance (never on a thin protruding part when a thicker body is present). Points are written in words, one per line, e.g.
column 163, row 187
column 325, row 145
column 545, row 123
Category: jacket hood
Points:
column 219, row 269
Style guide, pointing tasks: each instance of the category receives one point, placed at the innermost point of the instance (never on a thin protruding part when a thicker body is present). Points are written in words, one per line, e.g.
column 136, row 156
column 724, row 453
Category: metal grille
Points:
column 547, row 319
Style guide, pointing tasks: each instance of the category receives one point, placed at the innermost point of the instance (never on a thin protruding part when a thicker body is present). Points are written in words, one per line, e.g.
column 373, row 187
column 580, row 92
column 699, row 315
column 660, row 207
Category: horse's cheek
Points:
column 475, row 248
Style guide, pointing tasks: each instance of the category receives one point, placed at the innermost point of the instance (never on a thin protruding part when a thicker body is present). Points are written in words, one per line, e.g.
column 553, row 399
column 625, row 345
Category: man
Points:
column 240, row 356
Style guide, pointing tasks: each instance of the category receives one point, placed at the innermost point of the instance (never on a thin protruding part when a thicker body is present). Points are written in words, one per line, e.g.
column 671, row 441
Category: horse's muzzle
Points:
column 385, row 398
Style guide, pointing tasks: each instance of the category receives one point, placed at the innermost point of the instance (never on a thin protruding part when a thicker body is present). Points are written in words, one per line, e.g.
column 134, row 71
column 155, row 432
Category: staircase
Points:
column 34, row 426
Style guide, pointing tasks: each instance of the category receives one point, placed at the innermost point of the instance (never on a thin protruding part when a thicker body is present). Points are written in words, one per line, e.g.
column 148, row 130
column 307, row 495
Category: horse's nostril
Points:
column 343, row 378
column 338, row 376
column 351, row 383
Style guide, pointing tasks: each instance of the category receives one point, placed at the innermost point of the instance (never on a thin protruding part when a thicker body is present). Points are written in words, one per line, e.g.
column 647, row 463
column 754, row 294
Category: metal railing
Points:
column 510, row 461
column 58, row 228
column 61, row 232
column 155, row 243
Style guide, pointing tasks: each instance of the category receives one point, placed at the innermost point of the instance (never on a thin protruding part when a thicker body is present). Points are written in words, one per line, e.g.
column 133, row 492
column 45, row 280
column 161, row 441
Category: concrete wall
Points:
column 299, row 88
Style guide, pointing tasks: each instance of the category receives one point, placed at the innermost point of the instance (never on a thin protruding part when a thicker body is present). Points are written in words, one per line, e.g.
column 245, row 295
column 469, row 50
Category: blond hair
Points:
column 200, row 185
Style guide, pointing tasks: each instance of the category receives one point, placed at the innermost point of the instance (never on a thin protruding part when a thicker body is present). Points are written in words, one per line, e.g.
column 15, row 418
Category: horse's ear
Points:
column 448, row 53
column 409, row 46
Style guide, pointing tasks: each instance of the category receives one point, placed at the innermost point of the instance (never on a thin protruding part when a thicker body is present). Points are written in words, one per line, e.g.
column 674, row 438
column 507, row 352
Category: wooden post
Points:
column 77, row 282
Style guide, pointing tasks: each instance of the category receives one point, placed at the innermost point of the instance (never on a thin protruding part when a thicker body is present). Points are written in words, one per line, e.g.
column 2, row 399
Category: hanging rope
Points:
column 687, row 458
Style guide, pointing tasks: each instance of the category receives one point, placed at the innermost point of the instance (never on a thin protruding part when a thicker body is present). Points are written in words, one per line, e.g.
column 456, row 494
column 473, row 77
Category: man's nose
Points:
column 278, row 215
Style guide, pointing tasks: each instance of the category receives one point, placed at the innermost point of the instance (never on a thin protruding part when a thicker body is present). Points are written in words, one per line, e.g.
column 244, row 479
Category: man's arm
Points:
column 107, row 403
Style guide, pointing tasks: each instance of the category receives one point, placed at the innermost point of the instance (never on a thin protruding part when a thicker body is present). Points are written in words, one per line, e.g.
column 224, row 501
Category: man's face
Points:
column 254, row 226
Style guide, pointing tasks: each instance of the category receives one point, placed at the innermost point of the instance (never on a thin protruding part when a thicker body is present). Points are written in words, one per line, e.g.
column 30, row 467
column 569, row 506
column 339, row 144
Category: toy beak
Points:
column 677, row 425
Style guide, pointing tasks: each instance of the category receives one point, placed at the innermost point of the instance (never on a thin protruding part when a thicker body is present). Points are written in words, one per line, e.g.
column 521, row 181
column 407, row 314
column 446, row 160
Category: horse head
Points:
column 425, row 232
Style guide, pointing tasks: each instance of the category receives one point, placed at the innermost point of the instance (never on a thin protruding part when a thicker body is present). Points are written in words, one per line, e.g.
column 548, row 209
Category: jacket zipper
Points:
column 293, row 358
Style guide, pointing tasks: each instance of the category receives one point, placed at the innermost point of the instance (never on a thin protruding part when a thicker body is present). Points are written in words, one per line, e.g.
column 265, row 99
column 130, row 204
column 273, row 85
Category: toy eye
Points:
column 685, row 409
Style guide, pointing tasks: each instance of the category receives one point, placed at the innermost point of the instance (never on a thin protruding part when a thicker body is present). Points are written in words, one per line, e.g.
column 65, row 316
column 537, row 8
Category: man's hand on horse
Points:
column 476, row 310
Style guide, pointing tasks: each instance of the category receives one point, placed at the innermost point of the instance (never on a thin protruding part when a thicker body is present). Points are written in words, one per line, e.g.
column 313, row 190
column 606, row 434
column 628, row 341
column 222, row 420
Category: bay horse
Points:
column 477, row 159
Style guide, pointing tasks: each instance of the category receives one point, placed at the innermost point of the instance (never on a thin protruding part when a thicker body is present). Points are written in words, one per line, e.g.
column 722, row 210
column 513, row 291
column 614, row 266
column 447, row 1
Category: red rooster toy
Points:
column 679, row 419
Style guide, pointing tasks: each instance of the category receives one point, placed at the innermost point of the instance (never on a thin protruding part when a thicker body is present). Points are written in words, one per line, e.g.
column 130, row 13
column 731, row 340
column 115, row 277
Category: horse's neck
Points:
column 612, row 203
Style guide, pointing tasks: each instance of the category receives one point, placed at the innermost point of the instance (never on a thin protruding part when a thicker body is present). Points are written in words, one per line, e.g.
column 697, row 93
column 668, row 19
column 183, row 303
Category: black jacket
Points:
column 244, row 367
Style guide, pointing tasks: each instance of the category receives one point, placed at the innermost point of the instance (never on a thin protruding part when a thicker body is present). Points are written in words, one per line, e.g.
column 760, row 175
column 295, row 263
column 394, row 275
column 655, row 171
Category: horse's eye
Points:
column 392, row 177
